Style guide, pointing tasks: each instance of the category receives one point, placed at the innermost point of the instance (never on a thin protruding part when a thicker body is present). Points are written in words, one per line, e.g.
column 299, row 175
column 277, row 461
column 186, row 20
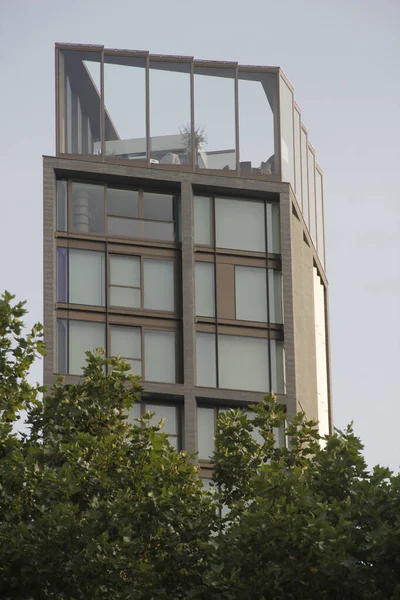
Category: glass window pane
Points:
column 62, row 270
column 158, row 206
column 251, row 294
column 84, row 336
column 127, row 297
column 154, row 230
column 243, row 363
column 277, row 367
column 170, row 113
column 134, row 413
column 62, row 346
column 125, row 270
column 286, row 111
column 136, row 366
column 159, row 284
column 87, row 208
column 125, row 106
column 122, row 203
column 126, row 341
column 123, row 227
column 255, row 434
column 215, row 139
column 169, row 413
column 275, row 296
column 86, row 277
column 205, row 289
column 320, row 216
column 159, row 350
column 297, row 156
column 304, row 175
column 273, row 228
column 79, row 101
column 62, row 206
column 202, row 220
column 240, row 224
column 311, row 195
column 258, row 109
column 206, row 360
column 205, row 431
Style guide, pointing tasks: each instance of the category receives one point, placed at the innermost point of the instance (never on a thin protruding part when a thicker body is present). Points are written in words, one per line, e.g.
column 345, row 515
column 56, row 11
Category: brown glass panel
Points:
column 225, row 291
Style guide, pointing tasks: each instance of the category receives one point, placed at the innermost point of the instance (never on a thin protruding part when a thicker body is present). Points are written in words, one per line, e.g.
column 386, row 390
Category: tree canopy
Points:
column 94, row 505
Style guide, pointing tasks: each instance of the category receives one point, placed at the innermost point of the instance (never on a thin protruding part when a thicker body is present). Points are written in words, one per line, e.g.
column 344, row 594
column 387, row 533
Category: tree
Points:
column 94, row 506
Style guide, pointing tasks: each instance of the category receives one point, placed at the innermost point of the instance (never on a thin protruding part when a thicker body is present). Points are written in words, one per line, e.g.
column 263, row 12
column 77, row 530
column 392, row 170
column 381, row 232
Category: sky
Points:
column 342, row 57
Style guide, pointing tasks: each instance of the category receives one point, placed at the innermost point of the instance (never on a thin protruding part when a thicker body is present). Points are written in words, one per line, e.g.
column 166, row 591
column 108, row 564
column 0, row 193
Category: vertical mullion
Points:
column 141, row 275
column 148, row 110
column 102, row 117
column 237, row 139
column 214, row 241
column 57, row 102
column 267, row 292
column 192, row 117
column 142, row 330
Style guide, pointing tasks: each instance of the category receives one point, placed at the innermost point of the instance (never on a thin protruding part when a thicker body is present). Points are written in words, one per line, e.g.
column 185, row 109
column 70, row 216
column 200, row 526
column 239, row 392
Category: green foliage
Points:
column 93, row 506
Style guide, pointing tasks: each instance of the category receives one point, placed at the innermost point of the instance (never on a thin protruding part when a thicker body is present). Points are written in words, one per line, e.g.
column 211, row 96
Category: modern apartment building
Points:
column 184, row 230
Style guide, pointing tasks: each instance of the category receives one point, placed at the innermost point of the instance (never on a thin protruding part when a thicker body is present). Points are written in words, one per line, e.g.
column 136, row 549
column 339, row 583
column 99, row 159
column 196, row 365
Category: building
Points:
column 184, row 230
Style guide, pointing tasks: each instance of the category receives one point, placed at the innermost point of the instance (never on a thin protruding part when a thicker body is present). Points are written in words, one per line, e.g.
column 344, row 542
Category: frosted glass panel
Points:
column 202, row 223
column 251, row 294
column 205, row 432
column 86, row 277
column 83, row 336
column 205, row 289
column 159, row 285
column 126, row 341
column 273, row 228
column 277, row 367
column 275, row 296
column 125, row 270
column 127, row 297
column 243, row 363
column 206, row 360
column 240, row 224
column 159, row 350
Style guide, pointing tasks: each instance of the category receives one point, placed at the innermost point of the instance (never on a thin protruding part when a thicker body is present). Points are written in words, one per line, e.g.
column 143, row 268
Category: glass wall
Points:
column 258, row 111
column 79, row 101
column 170, row 123
column 214, row 113
column 125, row 106
column 287, row 144
column 297, row 157
column 311, row 195
column 319, row 195
column 304, row 176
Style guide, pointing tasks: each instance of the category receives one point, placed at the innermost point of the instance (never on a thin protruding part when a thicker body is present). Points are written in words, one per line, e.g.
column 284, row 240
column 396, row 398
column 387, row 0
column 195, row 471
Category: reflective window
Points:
column 275, row 296
column 202, row 220
column 251, row 294
column 243, row 363
column 160, row 352
column 206, row 360
column 158, row 206
column 240, row 224
column 159, row 285
column 62, row 205
column 74, row 338
column 258, row 109
column 126, row 342
column 311, row 196
column 170, row 125
column 81, row 278
column 79, row 102
column 205, row 289
column 304, row 176
column 273, row 228
column 287, row 153
column 122, row 203
column 297, row 157
column 125, row 281
column 277, row 367
column 320, row 216
column 215, row 132
column 87, row 208
column 125, row 106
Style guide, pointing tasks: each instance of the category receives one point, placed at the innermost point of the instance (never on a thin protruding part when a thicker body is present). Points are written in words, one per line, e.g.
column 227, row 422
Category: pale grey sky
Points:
column 342, row 57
